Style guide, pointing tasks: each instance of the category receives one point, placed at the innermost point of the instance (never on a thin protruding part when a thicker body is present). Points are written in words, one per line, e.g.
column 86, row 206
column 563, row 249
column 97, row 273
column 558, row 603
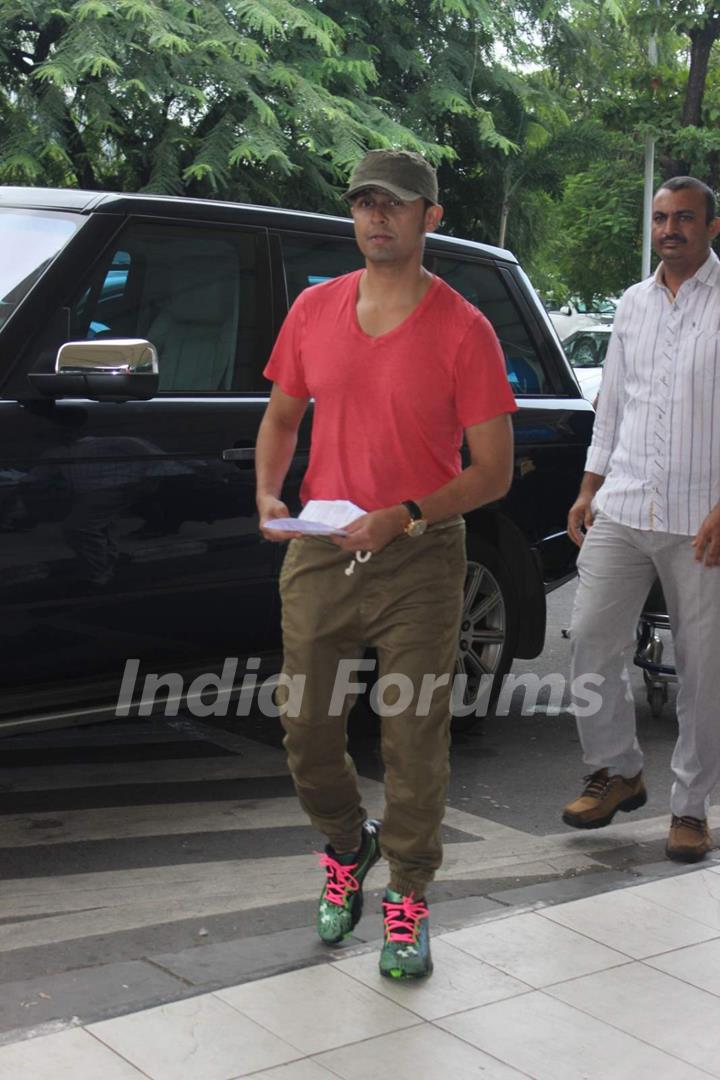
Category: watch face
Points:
column 417, row 528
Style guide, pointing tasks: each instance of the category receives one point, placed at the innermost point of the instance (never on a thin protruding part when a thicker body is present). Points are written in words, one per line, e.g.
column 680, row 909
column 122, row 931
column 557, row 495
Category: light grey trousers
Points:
column 617, row 566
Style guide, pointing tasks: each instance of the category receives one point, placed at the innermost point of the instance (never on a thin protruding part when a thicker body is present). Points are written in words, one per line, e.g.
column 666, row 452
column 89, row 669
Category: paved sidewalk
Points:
column 624, row 984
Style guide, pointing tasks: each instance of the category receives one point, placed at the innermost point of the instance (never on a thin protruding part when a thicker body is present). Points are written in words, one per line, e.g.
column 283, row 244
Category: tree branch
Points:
column 48, row 37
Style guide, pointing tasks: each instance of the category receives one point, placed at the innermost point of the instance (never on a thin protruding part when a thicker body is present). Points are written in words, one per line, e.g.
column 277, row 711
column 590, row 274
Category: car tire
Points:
column 488, row 630
column 486, row 646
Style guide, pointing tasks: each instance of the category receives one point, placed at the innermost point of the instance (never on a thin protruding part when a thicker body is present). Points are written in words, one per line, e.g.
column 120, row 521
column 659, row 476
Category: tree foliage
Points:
column 535, row 111
column 249, row 98
column 603, row 68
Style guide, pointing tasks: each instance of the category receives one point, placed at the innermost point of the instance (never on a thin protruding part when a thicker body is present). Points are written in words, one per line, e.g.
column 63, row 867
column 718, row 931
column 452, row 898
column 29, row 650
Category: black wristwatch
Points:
column 417, row 524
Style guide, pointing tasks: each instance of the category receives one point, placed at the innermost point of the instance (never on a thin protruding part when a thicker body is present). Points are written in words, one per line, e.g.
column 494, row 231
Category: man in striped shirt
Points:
column 649, row 504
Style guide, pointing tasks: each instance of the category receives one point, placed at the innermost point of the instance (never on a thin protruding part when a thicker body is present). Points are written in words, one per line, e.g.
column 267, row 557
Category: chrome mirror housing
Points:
column 110, row 356
column 112, row 369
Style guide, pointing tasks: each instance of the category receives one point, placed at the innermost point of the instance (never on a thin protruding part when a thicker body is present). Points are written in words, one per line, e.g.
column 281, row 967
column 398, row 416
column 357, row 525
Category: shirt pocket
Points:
column 701, row 355
column 706, row 331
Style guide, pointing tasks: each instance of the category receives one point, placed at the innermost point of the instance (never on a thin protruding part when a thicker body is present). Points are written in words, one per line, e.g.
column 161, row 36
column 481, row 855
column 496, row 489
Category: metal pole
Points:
column 649, row 178
column 647, row 204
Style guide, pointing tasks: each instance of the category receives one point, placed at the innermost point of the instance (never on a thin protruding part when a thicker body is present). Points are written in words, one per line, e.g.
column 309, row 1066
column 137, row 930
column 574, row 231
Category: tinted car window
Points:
column 484, row 287
column 311, row 259
column 587, row 349
column 191, row 292
column 28, row 241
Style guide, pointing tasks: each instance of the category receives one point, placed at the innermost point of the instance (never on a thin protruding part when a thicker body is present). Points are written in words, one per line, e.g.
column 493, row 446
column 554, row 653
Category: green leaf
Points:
column 213, row 46
column 536, row 136
column 264, row 111
column 170, row 42
column 136, row 10
column 135, row 84
column 282, row 76
column 198, row 171
column 257, row 17
column 101, row 65
column 249, row 52
column 91, row 9
column 56, row 72
column 449, row 100
column 20, row 166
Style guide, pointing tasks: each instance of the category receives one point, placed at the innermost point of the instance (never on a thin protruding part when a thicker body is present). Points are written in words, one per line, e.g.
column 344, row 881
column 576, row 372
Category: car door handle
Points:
column 239, row 453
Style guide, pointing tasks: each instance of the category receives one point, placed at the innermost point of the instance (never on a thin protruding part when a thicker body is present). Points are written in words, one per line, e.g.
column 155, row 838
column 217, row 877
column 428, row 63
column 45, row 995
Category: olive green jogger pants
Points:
column 405, row 601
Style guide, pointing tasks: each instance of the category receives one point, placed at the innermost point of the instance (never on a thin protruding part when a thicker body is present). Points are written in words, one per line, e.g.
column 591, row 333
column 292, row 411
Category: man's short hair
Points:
column 679, row 183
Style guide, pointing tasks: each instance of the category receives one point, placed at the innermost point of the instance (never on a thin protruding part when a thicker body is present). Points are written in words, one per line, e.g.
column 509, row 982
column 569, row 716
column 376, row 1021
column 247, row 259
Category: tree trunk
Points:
column 504, row 213
column 713, row 177
column 82, row 167
column 504, row 209
column 702, row 39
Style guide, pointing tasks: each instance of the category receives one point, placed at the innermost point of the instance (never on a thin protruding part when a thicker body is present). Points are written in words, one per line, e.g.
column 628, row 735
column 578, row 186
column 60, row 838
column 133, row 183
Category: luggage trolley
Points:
column 652, row 630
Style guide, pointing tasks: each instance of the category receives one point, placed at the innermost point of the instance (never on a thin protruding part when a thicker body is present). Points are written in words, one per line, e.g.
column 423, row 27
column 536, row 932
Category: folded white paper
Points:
column 337, row 512
column 320, row 517
column 302, row 525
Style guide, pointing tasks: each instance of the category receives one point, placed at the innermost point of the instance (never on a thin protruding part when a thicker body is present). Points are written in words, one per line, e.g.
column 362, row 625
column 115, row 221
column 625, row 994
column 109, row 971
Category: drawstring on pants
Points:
column 360, row 557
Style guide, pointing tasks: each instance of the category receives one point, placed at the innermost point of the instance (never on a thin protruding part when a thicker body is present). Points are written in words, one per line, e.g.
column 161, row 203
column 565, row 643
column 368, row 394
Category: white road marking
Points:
column 157, row 898
column 74, row 906
column 164, row 819
column 178, row 770
column 81, row 905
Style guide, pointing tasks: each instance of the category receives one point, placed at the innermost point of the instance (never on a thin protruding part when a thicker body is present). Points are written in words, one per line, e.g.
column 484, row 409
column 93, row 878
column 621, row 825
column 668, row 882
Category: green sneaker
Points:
column 406, row 952
column 341, row 900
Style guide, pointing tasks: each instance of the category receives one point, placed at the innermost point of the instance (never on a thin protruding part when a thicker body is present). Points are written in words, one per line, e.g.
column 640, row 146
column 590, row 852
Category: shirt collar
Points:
column 708, row 273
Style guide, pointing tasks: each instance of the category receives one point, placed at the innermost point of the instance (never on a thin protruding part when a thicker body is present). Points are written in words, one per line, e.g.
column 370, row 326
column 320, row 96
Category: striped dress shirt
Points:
column 656, row 438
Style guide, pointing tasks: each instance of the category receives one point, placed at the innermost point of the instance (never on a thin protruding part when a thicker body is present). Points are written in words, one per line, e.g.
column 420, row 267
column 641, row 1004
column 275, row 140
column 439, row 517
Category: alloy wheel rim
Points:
column 482, row 626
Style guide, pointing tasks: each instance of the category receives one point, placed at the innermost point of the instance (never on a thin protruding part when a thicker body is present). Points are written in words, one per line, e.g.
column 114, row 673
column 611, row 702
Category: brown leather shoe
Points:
column 689, row 839
column 601, row 799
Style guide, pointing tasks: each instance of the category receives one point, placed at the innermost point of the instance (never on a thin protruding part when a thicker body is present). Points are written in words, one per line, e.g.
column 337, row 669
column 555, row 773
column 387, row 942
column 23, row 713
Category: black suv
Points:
column 128, row 529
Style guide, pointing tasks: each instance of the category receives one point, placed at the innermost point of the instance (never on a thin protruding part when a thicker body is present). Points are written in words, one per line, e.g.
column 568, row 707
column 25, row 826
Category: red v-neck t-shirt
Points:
column 390, row 410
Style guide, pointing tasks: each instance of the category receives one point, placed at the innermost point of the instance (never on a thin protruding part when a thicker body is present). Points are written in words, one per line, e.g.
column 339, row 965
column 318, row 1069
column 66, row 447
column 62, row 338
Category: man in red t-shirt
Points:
column 400, row 367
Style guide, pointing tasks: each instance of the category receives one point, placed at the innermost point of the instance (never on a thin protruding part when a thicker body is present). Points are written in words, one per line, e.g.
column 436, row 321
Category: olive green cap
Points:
column 405, row 175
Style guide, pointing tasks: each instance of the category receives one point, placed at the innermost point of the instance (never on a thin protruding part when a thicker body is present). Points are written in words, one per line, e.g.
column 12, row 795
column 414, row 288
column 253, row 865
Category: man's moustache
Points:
column 673, row 239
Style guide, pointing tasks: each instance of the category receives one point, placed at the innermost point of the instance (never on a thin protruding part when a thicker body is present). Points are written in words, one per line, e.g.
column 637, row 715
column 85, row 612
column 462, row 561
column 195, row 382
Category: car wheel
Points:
column 488, row 632
column 657, row 696
column 486, row 647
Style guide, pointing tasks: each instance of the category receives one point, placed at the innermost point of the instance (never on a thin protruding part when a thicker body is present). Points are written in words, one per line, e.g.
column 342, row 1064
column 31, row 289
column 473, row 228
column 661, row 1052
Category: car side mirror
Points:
column 565, row 310
column 114, row 369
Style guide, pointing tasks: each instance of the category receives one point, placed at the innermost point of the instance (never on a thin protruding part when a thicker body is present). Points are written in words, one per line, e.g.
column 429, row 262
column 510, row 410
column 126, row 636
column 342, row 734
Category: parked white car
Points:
column 577, row 315
column 586, row 349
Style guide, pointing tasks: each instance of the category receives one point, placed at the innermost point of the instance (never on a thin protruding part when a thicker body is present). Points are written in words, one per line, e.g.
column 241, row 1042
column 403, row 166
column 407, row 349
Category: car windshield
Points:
column 597, row 307
column 573, row 304
column 29, row 240
column 587, row 349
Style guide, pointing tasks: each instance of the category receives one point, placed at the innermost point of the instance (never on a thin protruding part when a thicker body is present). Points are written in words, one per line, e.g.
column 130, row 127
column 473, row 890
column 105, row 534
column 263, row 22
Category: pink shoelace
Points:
column 340, row 880
column 402, row 919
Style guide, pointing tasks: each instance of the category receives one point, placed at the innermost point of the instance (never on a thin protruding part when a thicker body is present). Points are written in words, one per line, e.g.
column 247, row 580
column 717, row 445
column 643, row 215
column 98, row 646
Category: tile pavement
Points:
column 625, row 984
